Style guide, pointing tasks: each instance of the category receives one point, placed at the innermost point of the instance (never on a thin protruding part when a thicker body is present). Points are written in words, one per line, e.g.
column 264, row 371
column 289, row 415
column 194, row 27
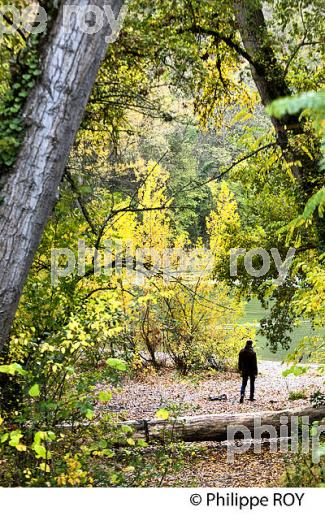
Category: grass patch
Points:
column 295, row 395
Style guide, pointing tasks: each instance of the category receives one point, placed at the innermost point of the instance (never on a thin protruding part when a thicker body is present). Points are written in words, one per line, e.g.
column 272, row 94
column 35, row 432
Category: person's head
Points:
column 249, row 343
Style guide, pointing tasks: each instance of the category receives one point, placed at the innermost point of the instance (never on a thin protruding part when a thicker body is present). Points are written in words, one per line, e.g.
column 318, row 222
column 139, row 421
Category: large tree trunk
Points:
column 269, row 77
column 215, row 427
column 52, row 113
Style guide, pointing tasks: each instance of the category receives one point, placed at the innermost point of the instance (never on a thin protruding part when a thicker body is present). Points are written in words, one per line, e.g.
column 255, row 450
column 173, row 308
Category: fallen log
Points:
column 221, row 427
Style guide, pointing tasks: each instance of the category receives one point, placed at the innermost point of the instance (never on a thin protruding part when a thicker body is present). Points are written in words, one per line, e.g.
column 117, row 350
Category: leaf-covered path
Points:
column 205, row 464
column 141, row 398
column 209, row 467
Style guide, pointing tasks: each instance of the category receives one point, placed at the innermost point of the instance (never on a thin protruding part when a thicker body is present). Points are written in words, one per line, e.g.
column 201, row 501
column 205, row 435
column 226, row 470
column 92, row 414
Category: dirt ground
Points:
column 141, row 398
column 208, row 465
column 211, row 468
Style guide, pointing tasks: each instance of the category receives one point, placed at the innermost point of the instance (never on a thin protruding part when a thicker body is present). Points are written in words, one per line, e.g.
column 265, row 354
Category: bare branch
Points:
column 10, row 22
column 82, row 206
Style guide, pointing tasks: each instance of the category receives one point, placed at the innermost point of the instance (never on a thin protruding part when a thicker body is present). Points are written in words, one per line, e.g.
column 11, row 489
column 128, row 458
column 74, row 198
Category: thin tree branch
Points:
column 197, row 29
column 243, row 159
column 303, row 43
column 82, row 206
column 10, row 22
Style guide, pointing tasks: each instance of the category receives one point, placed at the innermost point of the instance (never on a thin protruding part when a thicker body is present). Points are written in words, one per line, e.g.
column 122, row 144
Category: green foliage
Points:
column 307, row 470
column 318, row 399
column 312, row 103
column 316, row 202
column 117, row 364
column 12, row 369
column 295, row 395
column 34, row 391
column 57, row 447
column 173, row 108
column 104, row 397
column 11, row 104
column 162, row 414
column 296, row 370
column 302, row 472
column 309, row 298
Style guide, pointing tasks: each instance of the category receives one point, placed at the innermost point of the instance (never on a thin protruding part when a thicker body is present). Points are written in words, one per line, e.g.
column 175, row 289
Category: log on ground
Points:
column 215, row 427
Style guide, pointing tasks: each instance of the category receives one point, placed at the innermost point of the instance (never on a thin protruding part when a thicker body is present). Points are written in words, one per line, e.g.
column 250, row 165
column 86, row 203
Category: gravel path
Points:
column 205, row 464
column 141, row 398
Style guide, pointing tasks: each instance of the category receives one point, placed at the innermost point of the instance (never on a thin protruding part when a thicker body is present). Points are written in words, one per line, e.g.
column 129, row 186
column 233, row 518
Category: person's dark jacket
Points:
column 247, row 362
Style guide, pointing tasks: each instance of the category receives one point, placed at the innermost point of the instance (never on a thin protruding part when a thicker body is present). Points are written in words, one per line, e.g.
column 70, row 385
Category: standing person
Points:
column 247, row 366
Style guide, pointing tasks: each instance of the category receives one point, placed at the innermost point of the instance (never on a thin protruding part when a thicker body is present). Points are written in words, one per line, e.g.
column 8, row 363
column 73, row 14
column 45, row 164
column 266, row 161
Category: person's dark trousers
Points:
column 244, row 384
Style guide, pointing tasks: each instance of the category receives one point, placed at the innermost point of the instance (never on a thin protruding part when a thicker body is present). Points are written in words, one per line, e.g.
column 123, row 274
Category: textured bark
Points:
column 270, row 81
column 52, row 114
column 214, row 427
column 268, row 75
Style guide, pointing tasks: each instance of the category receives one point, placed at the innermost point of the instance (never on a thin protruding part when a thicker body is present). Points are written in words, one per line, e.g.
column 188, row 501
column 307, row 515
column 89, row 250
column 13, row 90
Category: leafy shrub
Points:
column 301, row 471
column 308, row 469
column 57, row 431
column 197, row 334
column 318, row 399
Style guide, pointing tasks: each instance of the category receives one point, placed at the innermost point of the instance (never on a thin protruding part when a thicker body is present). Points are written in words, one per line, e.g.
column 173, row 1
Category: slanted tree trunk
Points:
column 215, row 427
column 52, row 114
column 270, row 80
